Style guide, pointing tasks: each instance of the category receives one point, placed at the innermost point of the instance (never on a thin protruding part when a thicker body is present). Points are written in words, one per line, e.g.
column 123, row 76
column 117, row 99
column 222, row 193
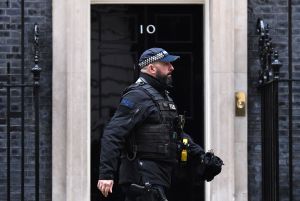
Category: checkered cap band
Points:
column 153, row 59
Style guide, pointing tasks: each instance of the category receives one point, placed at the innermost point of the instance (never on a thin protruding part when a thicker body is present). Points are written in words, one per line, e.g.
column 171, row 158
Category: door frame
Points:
column 225, row 73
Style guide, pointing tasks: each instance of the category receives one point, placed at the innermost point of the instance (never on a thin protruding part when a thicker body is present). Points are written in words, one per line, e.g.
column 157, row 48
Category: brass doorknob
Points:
column 240, row 103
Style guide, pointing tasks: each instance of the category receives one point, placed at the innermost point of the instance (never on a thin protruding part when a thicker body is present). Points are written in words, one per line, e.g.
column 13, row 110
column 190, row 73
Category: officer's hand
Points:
column 105, row 186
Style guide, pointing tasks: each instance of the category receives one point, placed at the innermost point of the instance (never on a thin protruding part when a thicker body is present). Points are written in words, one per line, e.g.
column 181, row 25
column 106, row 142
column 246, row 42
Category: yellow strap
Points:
column 184, row 155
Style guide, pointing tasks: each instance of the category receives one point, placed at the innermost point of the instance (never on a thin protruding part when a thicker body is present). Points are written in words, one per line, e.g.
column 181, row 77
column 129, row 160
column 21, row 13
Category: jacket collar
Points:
column 155, row 83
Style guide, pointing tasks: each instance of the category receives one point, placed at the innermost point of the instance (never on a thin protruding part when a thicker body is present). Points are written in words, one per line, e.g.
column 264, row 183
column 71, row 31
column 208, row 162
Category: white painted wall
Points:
column 71, row 101
column 226, row 73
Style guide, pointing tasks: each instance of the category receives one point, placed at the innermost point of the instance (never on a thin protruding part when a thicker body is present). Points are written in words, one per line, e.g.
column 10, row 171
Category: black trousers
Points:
column 157, row 193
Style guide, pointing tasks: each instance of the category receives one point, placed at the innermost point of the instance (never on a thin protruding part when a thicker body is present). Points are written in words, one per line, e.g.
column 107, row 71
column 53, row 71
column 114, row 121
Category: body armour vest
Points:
column 155, row 139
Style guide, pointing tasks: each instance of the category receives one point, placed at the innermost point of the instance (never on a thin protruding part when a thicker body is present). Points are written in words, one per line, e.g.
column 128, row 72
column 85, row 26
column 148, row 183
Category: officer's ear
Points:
column 152, row 68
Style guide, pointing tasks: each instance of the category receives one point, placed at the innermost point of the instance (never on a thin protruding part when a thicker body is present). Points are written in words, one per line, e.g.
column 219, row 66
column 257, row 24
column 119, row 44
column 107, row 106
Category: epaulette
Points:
column 133, row 86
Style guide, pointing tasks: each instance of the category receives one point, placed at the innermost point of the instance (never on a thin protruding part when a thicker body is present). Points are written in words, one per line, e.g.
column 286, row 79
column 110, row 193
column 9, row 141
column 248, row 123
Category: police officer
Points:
column 141, row 134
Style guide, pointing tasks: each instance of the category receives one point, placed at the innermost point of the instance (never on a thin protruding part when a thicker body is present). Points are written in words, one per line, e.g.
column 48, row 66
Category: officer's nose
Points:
column 171, row 68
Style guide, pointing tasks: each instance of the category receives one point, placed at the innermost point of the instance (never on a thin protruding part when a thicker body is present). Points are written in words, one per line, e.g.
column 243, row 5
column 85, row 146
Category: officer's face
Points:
column 164, row 72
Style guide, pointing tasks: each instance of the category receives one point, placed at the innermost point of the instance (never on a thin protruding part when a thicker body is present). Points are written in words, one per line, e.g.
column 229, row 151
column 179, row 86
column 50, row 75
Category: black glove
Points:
column 212, row 166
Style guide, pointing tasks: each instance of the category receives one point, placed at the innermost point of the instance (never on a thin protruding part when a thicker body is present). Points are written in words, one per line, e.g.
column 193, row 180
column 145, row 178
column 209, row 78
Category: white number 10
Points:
column 150, row 29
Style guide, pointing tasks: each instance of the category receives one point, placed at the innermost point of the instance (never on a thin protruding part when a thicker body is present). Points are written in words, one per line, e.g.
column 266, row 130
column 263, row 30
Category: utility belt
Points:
column 166, row 152
column 155, row 148
column 173, row 151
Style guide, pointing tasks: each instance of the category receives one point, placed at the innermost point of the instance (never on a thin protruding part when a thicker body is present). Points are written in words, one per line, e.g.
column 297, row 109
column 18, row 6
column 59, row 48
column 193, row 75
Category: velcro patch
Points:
column 172, row 106
column 126, row 102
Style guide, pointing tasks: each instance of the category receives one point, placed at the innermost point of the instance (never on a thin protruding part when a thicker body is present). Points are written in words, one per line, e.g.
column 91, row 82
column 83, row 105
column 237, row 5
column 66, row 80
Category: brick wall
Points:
column 275, row 13
column 296, row 96
column 39, row 11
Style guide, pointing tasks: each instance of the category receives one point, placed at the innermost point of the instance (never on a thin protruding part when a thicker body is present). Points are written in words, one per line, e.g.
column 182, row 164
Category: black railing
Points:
column 269, row 84
column 9, row 86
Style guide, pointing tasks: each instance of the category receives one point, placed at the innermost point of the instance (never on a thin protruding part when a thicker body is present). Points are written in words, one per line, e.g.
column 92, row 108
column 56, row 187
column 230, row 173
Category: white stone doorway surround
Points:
column 225, row 73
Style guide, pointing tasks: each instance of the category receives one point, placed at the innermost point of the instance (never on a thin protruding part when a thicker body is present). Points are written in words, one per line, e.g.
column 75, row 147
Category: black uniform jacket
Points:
column 134, row 109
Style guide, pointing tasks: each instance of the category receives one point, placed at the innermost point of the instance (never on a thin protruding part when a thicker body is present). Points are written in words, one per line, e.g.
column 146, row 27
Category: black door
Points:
column 119, row 34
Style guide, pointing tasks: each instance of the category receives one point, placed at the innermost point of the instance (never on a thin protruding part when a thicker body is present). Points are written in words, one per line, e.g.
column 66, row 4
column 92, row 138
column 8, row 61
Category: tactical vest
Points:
column 156, row 139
